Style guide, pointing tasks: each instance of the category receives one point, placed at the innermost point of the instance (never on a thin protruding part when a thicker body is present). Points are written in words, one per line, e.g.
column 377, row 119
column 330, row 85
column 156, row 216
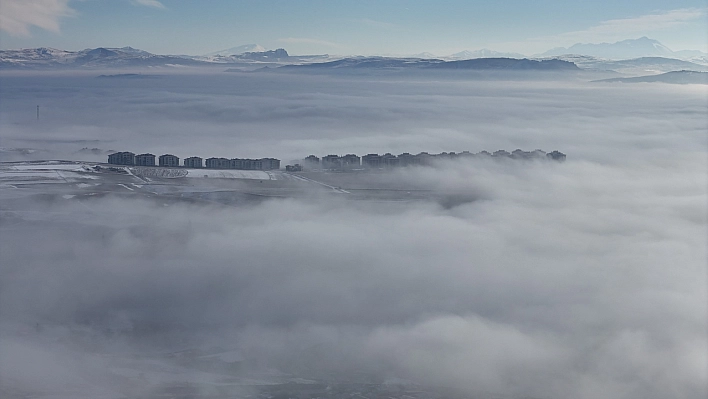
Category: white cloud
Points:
column 304, row 40
column 18, row 16
column 617, row 29
column 611, row 30
column 378, row 24
column 149, row 3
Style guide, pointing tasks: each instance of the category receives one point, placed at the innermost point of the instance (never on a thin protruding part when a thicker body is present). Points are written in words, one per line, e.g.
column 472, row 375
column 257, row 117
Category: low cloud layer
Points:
column 292, row 116
column 581, row 279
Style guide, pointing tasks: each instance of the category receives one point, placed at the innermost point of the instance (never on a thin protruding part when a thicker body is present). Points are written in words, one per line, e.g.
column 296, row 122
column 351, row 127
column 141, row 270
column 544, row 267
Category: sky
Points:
column 348, row 27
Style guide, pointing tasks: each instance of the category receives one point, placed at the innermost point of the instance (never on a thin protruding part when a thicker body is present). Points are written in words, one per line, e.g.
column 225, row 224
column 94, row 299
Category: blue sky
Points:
column 348, row 27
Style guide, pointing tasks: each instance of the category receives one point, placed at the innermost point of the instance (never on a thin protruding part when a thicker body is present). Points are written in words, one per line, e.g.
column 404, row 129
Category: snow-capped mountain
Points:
column 44, row 57
column 424, row 55
column 35, row 56
column 462, row 55
column 129, row 57
column 130, row 50
column 246, row 48
column 483, row 53
column 622, row 50
column 126, row 57
column 263, row 56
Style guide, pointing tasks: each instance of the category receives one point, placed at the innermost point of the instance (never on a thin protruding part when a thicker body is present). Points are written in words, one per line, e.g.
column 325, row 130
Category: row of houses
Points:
column 388, row 160
column 169, row 160
column 332, row 162
column 244, row 164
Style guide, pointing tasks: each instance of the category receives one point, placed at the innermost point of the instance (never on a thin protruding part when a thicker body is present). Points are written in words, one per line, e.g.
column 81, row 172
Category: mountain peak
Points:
column 130, row 50
column 269, row 55
column 624, row 49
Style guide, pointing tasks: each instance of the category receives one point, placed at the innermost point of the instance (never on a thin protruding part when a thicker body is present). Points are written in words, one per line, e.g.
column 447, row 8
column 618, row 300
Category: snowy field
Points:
column 15, row 174
column 54, row 170
column 231, row 174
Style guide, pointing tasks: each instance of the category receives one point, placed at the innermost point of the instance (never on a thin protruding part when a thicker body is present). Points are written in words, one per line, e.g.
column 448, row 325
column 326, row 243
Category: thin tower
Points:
column 38, row 112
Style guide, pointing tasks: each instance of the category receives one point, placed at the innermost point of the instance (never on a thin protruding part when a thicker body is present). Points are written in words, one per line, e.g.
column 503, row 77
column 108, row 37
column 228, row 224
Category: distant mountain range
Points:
column 636, row 66
column 622, row 50
column 48, row 58
column 674, row 77
column 278, row 55
column 637, row 57
column 464, row 55
column 483, row 53
column 387, row 63
column 625, row 49
column 127, row 57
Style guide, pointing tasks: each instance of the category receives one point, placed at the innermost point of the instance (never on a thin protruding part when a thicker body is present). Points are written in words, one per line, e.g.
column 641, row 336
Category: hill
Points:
column 637, row 66
column 385, row 63
column 675, row 77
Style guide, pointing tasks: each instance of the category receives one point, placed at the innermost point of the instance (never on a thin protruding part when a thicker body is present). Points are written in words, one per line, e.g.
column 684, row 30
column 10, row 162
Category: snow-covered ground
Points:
column 57, row 170
column 171, row 173
column 45, row 172
column 49, row 165
column 77, row 180
column 231, row 174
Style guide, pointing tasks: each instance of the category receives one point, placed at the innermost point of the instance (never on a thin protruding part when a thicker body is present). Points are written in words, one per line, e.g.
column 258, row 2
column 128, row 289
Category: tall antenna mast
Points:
column 38, row 112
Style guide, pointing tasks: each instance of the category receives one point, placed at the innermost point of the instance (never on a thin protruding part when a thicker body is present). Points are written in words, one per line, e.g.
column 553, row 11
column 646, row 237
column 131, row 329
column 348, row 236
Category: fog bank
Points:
column 580, row 279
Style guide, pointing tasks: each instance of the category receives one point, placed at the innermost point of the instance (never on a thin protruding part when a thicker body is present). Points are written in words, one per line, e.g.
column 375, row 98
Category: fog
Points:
column 579, row 279
column 290, row 116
